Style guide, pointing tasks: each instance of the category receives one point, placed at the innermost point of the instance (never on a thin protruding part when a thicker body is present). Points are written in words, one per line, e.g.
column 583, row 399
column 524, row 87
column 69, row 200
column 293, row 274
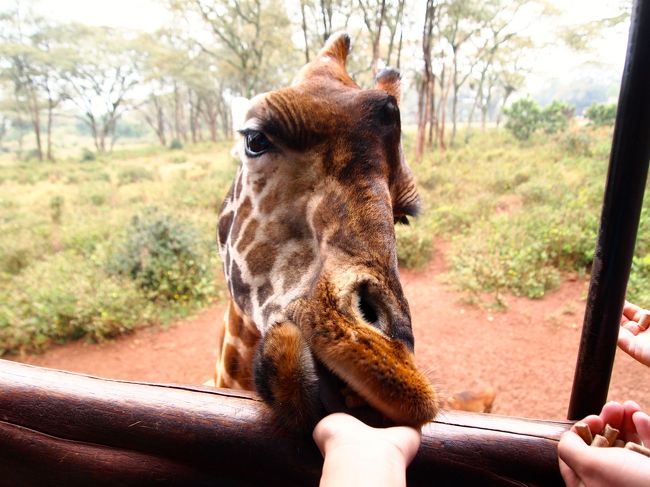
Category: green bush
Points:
column 601, row 114
column 164, row 257
column 78, row 300
column 414, row 246
column 638, row 287
column 175, row 144
column 134, row 174
column 523, row 118
column 577, row 142
column 555, row 117
column 56, row 209
column 87, row 155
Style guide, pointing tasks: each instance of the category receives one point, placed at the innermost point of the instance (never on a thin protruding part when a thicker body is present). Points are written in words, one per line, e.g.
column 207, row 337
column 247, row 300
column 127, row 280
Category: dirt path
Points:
column 527, row 354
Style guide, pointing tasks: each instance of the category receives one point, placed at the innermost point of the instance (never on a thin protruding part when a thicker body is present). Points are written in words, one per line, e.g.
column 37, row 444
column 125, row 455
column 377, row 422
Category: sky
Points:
column 553, row 62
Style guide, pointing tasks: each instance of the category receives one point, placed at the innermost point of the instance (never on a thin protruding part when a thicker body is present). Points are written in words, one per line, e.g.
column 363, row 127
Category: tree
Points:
column 250, row 36
column 425, row 80
column 463, row 19
column 101, row 75
column 373, row 17
column 498, row 32
column 20, row 65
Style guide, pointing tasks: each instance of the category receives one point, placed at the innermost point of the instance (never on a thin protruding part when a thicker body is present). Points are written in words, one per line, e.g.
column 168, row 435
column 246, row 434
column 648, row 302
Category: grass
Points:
column 516, row 215
column 62, row 221
column 519, row 215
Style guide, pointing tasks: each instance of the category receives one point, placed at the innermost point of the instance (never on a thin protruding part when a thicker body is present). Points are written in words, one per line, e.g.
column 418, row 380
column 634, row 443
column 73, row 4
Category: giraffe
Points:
column 317, row 320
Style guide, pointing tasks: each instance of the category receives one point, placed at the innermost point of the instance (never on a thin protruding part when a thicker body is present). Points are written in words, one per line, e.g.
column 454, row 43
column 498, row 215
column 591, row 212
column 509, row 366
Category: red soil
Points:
column 527, row 353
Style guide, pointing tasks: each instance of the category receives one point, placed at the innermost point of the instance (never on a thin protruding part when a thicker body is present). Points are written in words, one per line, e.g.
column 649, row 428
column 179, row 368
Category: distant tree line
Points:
column 181, row 78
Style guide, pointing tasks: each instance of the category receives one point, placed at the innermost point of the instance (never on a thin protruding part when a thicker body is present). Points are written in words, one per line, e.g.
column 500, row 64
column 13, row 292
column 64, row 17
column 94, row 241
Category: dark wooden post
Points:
column 626, row 180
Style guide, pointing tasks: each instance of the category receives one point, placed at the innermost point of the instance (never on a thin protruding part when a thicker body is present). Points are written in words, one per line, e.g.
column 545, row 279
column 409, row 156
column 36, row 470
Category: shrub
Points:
column 87, row 155
column 175, row 144
column 523, row 118
column 56, row 209
column 577, row 143
column 638, row 287
column 555, row 117
column 601, row 114
column 163, row 256
column 134, row 174
column 79, row 300
column 414, row 246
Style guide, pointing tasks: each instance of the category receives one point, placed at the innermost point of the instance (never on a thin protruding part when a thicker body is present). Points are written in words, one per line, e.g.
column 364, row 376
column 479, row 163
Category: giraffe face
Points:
column 308, row 243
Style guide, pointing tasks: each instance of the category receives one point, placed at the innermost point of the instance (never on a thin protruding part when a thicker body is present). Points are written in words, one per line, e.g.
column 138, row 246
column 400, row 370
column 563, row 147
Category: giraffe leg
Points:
column 285, row 377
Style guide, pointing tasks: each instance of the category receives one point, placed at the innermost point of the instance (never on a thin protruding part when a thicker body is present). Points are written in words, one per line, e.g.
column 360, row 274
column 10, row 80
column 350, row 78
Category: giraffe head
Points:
column 307, row 238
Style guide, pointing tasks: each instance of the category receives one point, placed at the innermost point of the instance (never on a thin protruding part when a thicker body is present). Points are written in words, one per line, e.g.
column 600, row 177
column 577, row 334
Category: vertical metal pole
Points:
column 626, row 180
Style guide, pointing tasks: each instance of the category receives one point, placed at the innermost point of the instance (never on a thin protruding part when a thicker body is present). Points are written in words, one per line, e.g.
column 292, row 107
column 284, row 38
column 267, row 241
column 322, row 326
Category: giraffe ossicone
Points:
column 317, row 316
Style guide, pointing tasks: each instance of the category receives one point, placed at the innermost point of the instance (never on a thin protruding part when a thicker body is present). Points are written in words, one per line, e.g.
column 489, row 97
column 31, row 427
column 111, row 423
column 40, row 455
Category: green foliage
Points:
column 638, row 287
column 134, row 174
column 176, row 145
column 164, row 258
column 79, row 300
column 601, row 115
column 54, row 281
column 56, row 209
column 87, row 155
column 414, row 246
column 555, row 117
column 523, row 118
column 577, row 142
column 518, row 215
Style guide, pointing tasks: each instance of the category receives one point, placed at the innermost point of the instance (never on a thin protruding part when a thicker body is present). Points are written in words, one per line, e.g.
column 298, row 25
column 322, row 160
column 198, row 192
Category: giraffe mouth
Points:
column 337, row 396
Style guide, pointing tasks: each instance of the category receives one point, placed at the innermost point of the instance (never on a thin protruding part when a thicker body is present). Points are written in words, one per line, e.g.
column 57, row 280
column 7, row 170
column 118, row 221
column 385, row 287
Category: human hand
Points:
column 584, row 465
column 359, row 455
column 631, row 339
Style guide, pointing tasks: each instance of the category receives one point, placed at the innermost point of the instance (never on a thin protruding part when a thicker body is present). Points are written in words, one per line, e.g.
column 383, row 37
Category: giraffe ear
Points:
column 337, row 47
column 388, row 80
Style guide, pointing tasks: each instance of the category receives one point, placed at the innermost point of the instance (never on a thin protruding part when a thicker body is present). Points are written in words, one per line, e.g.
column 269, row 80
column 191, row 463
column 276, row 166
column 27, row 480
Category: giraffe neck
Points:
column 239, row 337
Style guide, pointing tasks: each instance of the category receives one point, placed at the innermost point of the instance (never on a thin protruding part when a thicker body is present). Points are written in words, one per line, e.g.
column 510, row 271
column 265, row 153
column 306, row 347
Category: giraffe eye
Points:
column 256, row 143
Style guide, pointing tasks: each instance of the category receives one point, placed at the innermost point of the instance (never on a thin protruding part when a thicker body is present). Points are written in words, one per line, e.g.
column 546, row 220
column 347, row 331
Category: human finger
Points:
column 628, row 427
column 642, row 424
column 569, row 475
column 572, row 450
column 594, row 422
column 630, row 309
column 613, row 413
column 626, row 334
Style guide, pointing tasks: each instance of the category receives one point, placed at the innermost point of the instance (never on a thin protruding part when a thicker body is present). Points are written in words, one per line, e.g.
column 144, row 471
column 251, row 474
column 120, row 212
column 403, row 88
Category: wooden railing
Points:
column 61, row 428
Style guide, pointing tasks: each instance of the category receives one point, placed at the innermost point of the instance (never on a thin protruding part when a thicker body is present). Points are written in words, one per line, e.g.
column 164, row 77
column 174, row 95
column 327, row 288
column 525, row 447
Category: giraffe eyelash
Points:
column 401, row 219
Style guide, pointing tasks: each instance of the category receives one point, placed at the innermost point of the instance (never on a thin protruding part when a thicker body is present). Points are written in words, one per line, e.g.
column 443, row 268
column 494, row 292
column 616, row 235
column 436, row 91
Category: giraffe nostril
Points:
column 367, row 306
column 368, row 311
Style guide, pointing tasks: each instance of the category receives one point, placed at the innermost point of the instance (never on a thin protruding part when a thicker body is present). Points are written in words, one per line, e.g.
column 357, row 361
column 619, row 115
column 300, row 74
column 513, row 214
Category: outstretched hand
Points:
column 589, row 466
column 359, row 455
column 631, row 338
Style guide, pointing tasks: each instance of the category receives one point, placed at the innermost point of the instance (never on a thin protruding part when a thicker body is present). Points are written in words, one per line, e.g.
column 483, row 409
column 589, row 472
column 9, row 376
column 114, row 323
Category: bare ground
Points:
column 526, row 353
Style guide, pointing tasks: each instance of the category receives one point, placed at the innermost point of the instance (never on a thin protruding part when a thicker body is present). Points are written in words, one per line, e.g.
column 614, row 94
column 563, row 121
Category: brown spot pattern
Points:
column 241, row 216
column 248, row 236
column 225, row 223
column 260, row 258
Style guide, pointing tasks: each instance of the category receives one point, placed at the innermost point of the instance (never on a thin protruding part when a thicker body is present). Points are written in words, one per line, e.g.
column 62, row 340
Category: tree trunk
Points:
column 50, row 116
column 304, row 30
column 36, row 124
column 377, row 39
column 454, row 101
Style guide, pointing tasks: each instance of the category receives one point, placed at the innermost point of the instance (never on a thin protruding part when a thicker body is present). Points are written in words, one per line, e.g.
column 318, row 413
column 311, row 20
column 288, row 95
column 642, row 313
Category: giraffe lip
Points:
column 333, row 399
